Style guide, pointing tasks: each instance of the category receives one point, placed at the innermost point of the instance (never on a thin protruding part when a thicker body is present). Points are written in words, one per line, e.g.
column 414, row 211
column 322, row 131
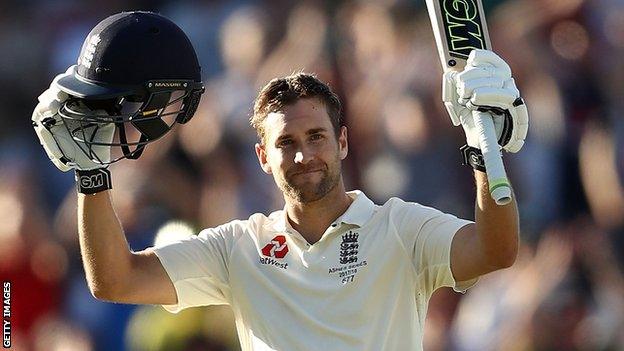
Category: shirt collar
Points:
column 358, row 213
column 360, row 210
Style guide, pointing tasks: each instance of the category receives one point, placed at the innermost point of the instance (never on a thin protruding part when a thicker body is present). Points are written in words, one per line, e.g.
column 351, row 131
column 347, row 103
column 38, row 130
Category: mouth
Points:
column 311, row 171
column 308, row 172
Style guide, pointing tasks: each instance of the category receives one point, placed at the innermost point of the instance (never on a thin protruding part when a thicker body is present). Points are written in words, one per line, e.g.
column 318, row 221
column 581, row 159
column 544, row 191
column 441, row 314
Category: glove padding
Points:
column 65, row 152
column 486, row 85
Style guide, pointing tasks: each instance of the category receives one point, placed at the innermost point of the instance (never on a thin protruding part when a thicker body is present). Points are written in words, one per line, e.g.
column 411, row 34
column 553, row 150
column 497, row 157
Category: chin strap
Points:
column 93, row 181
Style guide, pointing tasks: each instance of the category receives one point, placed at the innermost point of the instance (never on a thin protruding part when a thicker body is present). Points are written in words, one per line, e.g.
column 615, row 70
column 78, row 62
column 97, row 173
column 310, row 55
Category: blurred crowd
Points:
column 566, row 290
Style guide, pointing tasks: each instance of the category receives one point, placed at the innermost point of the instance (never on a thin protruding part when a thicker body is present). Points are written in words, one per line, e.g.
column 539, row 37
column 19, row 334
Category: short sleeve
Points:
column 427, row 234
column 198, row 268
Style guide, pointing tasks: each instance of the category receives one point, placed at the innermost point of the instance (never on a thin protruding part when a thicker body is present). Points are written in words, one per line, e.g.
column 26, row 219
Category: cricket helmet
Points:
column 142, row 70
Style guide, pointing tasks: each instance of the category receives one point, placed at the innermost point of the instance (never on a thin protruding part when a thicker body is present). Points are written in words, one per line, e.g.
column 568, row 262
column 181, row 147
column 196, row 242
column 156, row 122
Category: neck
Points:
column 313, row 218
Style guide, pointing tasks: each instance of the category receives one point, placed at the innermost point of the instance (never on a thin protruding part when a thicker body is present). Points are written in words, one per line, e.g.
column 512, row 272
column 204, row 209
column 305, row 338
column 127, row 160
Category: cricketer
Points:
column 331, row 270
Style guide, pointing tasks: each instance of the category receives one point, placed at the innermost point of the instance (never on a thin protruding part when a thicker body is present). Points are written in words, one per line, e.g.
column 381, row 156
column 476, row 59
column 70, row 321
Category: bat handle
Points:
column 497, row 178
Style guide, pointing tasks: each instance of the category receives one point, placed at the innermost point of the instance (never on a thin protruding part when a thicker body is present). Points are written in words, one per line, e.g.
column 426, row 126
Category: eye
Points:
column 316, row 137
column 284, row 142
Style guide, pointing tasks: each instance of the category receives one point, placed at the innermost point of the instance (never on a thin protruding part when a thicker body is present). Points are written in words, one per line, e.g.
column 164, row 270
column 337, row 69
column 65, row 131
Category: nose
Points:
column 303, row 155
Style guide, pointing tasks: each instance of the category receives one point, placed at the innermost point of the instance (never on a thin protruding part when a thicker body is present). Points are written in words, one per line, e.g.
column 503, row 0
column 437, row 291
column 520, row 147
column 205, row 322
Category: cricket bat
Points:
column 459, row 27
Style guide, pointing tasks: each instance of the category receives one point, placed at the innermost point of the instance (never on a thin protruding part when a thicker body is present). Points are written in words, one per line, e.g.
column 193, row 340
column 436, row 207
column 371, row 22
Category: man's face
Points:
column 301, row 151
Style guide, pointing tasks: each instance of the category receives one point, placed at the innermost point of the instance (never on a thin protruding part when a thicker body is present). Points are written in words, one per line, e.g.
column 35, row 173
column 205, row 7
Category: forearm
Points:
column 496, row 226
column 105, row 253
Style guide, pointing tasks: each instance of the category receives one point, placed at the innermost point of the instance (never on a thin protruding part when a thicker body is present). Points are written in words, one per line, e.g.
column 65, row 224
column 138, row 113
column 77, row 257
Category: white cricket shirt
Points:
column 364, row 285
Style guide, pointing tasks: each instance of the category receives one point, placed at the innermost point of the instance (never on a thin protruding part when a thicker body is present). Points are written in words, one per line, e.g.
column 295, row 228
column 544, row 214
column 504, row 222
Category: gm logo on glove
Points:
column 91, row 181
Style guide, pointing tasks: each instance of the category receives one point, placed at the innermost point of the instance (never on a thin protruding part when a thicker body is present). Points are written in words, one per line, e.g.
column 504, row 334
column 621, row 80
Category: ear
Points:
column 343, row 144
column 262, row 158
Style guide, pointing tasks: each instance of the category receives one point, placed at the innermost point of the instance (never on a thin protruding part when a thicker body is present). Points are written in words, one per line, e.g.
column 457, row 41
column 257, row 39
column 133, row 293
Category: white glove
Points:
column 65, row 152
column 486, row 84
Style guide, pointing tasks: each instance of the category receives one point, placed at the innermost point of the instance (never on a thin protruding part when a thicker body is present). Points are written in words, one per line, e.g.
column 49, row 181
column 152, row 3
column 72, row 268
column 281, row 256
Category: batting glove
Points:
column 64, row 151
column 486, row 85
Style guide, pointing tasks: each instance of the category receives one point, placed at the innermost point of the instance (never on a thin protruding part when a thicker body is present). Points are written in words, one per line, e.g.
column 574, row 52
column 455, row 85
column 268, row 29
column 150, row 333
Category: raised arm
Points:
column 489, row 244
column 99, row 104
column 114, row 273
column 486, row 85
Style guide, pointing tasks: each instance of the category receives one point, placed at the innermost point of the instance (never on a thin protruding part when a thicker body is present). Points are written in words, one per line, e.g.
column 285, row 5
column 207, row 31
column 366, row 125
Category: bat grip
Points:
column 497, row 178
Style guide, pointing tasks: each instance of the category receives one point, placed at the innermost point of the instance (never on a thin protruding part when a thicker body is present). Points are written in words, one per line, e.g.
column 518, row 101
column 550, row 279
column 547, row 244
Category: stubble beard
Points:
column 307, row 193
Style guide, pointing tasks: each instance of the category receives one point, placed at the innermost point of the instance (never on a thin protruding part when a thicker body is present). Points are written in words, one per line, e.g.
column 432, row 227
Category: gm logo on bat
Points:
column 462, row 25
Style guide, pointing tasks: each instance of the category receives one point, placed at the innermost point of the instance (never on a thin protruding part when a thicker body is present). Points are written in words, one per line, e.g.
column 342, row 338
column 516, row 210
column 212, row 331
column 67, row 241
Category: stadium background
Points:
column 566, row 291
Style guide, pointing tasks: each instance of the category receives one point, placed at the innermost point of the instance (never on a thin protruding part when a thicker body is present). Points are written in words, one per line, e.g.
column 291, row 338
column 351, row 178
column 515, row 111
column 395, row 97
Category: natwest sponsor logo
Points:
column 276, row 248
column 273, row 262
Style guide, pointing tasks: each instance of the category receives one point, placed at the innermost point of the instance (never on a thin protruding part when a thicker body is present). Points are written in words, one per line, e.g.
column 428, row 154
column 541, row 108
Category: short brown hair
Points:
column 281, row 92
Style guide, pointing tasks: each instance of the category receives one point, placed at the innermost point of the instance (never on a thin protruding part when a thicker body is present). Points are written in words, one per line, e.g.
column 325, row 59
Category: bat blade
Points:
column 459, row 27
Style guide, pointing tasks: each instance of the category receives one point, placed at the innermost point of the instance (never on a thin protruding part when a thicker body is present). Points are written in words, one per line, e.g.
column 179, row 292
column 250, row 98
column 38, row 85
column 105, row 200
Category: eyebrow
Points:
column 309, row 132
